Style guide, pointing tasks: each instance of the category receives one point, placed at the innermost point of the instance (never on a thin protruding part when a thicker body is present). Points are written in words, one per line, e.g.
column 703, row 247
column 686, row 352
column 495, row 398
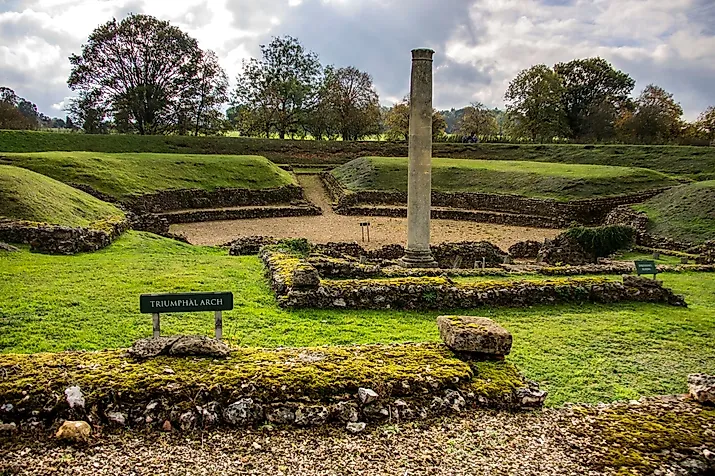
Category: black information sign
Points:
column 646, row 267
column 185, row 302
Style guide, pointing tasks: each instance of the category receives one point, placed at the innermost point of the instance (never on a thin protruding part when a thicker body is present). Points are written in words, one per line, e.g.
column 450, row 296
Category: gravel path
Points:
column 333, row 227
column 663, row 436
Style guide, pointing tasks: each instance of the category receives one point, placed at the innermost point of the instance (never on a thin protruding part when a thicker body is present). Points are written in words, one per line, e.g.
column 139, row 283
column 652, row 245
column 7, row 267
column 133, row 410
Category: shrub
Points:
column 602, row 241
column 299, row 246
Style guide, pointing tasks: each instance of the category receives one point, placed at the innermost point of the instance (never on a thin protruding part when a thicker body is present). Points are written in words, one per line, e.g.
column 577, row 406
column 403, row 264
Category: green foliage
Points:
column 279, row 89
column 298, row 246
column 148, row 75
column 534, row 104
column 654, row 118
column 602, row 241
column 397, row 122
column 124, row 175
column 593, row 94
column 684, row 213
column 16, row 112
column 580, row 353
column 478, row 120
column 530, row 179
column 29, row 196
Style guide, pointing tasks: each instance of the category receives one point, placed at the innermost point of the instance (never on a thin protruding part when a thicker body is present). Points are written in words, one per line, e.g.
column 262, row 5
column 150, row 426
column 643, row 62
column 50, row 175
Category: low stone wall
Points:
column 304, row 387
column 587, row 212
column 625, row 215
column 426, row 293
column 56, row 239
column 168, row 200
column 192, row 216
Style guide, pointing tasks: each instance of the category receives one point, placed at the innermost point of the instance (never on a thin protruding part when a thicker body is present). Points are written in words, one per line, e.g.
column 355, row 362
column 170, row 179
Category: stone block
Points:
column 474, row 334
column 702, row 388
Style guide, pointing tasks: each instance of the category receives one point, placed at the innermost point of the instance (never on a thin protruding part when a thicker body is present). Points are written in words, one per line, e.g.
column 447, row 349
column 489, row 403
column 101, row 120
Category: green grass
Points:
column 529, row 179
column 585, row 353
column 685, row 213
column 124, row 175
column 693, row 162
column 27, row 195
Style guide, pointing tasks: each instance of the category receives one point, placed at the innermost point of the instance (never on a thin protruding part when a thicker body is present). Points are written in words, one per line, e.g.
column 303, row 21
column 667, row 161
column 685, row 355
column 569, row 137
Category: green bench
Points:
column 646, row 267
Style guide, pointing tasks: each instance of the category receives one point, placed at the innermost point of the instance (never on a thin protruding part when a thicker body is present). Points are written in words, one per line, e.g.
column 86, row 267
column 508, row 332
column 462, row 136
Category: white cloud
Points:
column 481, row 44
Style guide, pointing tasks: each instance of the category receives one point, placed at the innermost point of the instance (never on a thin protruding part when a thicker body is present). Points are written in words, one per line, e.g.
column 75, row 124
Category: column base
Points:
column 418, row 259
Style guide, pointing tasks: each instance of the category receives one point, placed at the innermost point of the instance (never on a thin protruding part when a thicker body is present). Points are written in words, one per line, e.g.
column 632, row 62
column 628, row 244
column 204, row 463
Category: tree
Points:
column 653, row 118
column 281, row 87
column 208, row 91
column 352, row 102
column 397, row 122
column 16, row 112
column 535, row 104
column 478, row 120
column 593, row 92
column 86, row 110
column 706, row 122
column 144, row 68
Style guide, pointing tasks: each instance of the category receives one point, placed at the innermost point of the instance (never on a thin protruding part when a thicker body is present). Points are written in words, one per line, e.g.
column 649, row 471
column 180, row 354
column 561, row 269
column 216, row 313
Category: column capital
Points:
column 424, row 54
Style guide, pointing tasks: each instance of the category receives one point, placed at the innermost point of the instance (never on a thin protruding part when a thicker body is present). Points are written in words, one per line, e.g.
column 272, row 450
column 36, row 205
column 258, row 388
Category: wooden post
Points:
column 219, row 325
column 157, row 325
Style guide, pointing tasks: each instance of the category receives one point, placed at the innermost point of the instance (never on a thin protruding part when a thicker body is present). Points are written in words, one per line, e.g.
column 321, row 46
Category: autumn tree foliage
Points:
column 397, row 122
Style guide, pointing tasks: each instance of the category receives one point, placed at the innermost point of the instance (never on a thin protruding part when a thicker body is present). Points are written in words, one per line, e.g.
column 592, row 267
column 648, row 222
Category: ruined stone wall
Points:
column 57, row 239
column 588, row 212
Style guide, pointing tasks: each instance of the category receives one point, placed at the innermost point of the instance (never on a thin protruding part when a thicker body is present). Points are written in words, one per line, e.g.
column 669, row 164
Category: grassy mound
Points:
column 27, row 195
column 685, row 213
column 124, row 175
column 694, row 162
column 529, row 179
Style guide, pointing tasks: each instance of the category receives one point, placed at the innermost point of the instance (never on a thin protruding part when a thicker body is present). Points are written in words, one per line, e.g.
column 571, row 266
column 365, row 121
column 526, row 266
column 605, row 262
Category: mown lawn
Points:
column 529, row 179
column 27, row 195
column 585, row 353
column 124, row 175
column 693, row 162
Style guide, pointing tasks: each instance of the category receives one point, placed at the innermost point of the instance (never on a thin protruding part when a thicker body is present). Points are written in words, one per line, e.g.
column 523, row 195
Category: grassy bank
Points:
column 27, row 195
column 123, row 175
column 529, row 179
column 685, row 213
column 694, row 162
column 581, row 353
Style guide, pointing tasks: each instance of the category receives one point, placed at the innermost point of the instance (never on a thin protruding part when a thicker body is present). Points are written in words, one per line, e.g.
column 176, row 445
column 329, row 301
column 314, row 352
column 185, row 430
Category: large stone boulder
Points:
column 74, row 432
column 179, row 346
column 474, row 335
column 305, row 276
column 702, row 387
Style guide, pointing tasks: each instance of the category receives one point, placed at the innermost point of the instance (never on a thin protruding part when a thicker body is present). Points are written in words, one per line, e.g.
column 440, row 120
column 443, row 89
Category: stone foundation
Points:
column 587, row 212
column 57, row 239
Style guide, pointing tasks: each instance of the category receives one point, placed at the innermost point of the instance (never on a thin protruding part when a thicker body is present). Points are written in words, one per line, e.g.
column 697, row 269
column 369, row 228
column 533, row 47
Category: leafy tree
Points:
column 706, row 122
column 281, row 87
column 16, row 112
column 653, row 118
column 592, row 95
column 142, row 67
column 397, row 122
column 535, row 104
column 208, row 91
column 87, row 111
column 478, row 120
column 352, row 102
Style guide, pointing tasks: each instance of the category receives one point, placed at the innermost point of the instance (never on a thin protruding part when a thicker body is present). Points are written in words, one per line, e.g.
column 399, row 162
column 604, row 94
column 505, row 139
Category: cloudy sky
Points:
column 481, row 44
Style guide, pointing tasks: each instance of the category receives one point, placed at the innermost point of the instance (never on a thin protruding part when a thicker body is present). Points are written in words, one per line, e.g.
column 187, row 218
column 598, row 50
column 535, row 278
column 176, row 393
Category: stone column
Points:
column 419, row 188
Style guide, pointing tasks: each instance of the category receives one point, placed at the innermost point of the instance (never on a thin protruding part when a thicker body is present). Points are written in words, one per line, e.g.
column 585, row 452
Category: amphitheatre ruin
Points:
column 555, row 303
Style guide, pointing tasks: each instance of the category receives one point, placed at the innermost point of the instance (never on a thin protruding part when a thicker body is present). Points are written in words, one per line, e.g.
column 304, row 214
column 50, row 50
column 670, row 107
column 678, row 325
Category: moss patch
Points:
column 282, row 374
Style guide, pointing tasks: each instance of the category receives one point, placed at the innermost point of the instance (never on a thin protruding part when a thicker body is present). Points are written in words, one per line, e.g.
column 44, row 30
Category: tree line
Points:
column 142, row 75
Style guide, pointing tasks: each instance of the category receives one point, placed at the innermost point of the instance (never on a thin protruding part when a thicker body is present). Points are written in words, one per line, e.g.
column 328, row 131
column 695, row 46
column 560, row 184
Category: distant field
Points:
column 693, row 162
column 26, row 195
column 124, row 175
column 529, row 179
column 685, row 213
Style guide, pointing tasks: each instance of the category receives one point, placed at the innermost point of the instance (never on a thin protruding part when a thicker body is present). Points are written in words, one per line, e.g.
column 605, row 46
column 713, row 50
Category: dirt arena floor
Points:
column 333, row 227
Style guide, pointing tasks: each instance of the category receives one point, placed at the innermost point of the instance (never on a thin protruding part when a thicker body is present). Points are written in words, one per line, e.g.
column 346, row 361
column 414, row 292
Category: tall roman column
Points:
column 419, row 188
